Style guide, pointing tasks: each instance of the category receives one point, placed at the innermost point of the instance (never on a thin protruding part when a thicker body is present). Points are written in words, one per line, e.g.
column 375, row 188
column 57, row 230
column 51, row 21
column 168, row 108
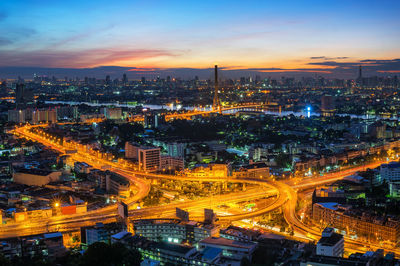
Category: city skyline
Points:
column 199, row 132
column 286, row 38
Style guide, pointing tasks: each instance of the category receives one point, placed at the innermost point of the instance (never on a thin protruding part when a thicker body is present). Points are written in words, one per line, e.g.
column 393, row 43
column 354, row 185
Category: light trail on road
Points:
column 285, row 191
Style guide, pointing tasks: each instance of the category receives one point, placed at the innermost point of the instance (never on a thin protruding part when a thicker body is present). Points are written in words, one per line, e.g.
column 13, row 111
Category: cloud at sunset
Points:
column 271, row 36
column 80, row 59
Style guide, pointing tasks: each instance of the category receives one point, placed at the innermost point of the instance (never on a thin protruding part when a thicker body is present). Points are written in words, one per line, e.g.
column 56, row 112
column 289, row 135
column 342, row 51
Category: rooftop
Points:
column 391, row 165
column 53, row 235
column 183, row 250
column 228, row 242
column 121, row 235
column 235, row 230
column 33, row 171
column 331, row 240
column 255, row 166
column 210, row 253
column 329, row 205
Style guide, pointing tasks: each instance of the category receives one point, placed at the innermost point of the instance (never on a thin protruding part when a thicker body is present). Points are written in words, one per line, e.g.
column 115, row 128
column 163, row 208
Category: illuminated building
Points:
column 111, row 182
column 111, row 113
column 149, row 159
column 41, row 213
column 239, row 234
column 67, row 112
column 363, row 225
column 255, row 170
column 169, row 162
column 391, row 174
column 17, row 116
column 44, row 116
column 91, row 117
column 132, row 150
column 23, row 95
column 378, row 130
column 153, row 120
column 174, row 231
column 117, row 184
column 211, row 170
column 82, row 167
column 45, row 245
column 231, row 248
column 164, row 253
column 35, row 177
column 96, row 234
column 330, row 244
column 176, row 149
column 328, row 106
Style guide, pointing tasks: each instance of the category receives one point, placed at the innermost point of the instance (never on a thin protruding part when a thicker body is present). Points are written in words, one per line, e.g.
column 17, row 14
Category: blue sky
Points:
column 197, row 34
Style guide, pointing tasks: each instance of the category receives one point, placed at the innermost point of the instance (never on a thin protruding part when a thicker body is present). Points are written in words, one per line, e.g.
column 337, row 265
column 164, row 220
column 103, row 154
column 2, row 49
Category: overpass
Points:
column 285, row 191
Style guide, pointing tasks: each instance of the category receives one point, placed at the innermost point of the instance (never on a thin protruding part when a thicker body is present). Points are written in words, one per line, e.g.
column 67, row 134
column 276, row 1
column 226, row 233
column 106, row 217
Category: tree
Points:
column 245, row 262
column 4, row 261
column 100, row 254
column 283, row 160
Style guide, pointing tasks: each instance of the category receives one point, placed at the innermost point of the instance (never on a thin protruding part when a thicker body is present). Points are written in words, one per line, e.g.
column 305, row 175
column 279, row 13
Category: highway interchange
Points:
column 284, row 195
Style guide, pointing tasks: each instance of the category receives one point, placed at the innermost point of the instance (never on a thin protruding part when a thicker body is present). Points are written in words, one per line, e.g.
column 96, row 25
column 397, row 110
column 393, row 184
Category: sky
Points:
column 270, row 36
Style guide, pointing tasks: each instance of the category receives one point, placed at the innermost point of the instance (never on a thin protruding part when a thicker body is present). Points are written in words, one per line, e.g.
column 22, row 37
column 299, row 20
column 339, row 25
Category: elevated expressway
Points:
column 140, row 179
column 284, row 193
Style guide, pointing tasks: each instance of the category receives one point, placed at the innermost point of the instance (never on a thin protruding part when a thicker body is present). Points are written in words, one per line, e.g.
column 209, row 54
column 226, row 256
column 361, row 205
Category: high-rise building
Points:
column 176, row 149
column 17, row 116
column 328, row 106
column 67, row 112
column 149, row 159
column 124, row 79
column 96, row 234
column 3, row 87
column 44, row 116
column 111, row 113
column 378, row 130
column 153, row 120
column 131, row 150
column 172, row 163
column 23, row 96
column 391, row 174
column 360, row 77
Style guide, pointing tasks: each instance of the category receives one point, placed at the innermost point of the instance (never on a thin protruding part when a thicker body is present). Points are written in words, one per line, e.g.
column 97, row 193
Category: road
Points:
column 285, row 191
column 73, row 222
column 289, row 212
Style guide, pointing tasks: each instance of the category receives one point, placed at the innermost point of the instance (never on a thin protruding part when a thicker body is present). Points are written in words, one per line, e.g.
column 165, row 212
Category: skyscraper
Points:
column 328, row 106
column 3, row 87
column 23, row 96
column 360, row 78
column 124, row 79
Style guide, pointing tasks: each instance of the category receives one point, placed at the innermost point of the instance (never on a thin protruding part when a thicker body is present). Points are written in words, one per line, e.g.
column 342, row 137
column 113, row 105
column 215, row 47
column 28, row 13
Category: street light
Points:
column 56, row 203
